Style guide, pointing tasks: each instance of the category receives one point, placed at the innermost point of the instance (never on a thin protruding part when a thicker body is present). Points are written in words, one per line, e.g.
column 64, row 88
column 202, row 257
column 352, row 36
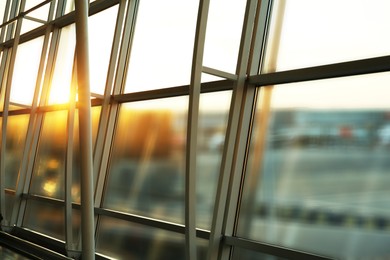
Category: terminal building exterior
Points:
column 197, row 129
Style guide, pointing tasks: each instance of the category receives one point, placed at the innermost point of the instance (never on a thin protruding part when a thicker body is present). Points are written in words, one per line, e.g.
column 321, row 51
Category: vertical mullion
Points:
column 36, row 119
column 4, row 70
column 101, row 144
column 7, row 94
column 5, row 18
column 70, row 245
column 116, row 81
column 265, row 101
column 114, row 84
column 238, row 167
column 228, row 177
column 30, row 128
column 10, row 12
column 192, row 130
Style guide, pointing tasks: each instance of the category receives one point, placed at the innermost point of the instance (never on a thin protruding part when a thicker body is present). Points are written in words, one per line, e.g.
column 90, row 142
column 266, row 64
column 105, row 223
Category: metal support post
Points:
column 192, row 130
column 85, row 130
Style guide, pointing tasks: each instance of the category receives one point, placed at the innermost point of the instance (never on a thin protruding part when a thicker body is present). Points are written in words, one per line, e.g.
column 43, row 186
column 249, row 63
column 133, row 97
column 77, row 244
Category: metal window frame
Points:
column 236, row 138
column 246, row 83
column 11, row 57
column 273, row 250
column 192, row 128
column 36, row 120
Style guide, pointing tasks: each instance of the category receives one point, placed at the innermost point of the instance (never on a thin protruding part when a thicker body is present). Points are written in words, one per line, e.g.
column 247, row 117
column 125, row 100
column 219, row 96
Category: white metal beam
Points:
column 192, row 130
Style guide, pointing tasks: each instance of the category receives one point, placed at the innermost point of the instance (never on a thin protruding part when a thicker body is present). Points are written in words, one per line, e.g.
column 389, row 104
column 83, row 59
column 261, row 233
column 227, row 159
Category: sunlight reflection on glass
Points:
column 25, row 73
column 49, row 165
column 61, row 82
column 148, row 159
column 16, row 134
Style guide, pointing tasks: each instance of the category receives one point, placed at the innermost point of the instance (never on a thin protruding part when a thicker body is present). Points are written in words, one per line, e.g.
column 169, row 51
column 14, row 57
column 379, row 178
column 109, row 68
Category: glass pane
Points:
column 163, row 45
column 49, row 169
column 45, row 218
column 213, row 116
column 41, row 13
column 224, row 27
column 16, row 135
column 124, row 240
column 2, row 10
column 101, row 33
column 25, row 73
column 6, row 253
column 318, row 172
column 246, row 254
column 32, row 3
column 69, row 6
column 308, row 33
column 29, row 25
column 210, row 78
column 61, row 82
column 9, row 205
column 76, row 226
column 148, row 159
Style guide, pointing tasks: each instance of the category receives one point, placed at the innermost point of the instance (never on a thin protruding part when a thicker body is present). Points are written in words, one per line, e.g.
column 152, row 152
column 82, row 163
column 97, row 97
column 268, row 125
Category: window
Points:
column 291, row 120
column 317, row 173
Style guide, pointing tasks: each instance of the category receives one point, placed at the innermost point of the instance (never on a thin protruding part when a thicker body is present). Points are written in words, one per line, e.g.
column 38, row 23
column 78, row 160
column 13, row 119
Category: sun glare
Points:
column 59, row 94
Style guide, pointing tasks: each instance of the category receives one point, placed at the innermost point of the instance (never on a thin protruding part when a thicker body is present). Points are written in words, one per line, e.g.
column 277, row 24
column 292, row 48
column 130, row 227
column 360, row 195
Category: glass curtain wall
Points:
column 288, row 100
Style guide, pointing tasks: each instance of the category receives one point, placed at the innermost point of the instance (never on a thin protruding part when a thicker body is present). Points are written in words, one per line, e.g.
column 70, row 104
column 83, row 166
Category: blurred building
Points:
column 220, row 130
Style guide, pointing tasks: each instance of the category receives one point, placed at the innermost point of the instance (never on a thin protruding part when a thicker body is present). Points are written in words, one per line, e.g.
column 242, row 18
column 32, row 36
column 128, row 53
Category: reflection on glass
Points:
column 101, row 33
column 49, row 169
column 9, row 254
column 246, row 254
column 147, row 170
column 9, row 205
column 213, row 113
column 223, row 34
column 25, row 73
column 320, row 32
column 124, row 240
column 45, row 218
column 318, row 172
column 163, row 45
column 16, row 135
column 61, row 82
column 76, row 225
